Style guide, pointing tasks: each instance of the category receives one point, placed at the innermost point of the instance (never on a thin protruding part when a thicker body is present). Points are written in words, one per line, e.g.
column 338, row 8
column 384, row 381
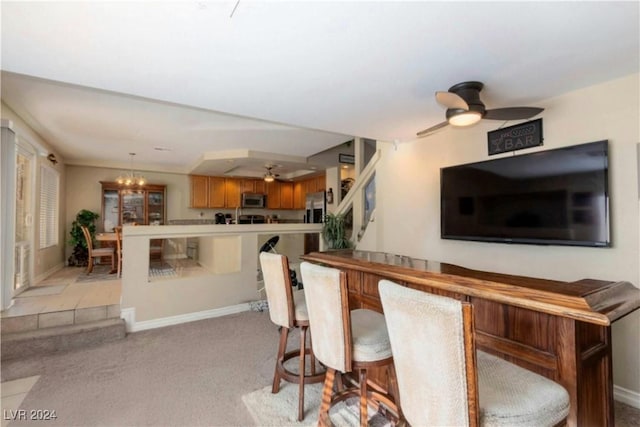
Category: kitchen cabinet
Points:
column 138, row 206
column 286, row 195
column 199, row 191
column 273, row 195
column 217, row 192
column 232, row 188
column 253, row 186
column 221, row 192
column 299, row 192
column 304, row 187
column 280, row 195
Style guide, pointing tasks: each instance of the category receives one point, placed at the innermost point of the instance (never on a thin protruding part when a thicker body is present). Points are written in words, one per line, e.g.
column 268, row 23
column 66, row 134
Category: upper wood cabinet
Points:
column 207, row 192
column 286, row 195
column 199, row 191
column 299, row 194
column 273, row 195
column 217, row 192
column 233, row 189
column 221, row 192
column 253, row 186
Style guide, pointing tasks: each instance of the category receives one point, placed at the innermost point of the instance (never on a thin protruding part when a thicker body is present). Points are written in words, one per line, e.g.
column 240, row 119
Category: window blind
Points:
column 49, row 189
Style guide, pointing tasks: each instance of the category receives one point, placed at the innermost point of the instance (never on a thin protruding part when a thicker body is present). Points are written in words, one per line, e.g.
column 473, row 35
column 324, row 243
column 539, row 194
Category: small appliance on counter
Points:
column 219, row 218
column 251, row 219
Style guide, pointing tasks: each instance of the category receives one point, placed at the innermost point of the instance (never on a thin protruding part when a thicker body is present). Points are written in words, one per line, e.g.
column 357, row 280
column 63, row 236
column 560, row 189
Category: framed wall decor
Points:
column 347, row 158
column 523, row 135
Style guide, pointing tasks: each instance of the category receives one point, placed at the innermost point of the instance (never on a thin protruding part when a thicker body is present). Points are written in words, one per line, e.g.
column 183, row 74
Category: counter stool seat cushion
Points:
column 369, row 336
column 300, row 306
column 513, row 396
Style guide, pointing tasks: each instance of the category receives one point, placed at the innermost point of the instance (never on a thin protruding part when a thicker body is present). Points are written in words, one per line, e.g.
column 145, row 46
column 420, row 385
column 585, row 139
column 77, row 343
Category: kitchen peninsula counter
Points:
column 168, row 231
column 561, row 330
column 207, row 270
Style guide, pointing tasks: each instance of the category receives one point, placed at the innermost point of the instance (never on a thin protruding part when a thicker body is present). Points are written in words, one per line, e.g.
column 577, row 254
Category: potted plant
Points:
column 334, row 231
column 80, row 254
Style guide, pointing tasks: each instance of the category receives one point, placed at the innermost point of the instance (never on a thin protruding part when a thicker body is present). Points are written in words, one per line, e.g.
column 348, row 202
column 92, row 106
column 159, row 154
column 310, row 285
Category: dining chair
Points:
column 443, row 380
column 156, row 248
column 94, row 253
column 288, row 310
column 346, row 341
column 118, row 231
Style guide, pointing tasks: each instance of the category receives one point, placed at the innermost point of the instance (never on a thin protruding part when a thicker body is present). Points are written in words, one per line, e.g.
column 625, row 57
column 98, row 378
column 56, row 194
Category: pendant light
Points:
column 131, row 178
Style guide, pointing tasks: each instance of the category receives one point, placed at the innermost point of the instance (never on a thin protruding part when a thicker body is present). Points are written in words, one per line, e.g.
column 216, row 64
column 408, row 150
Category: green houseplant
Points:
column 80, row 254
column 334, row 231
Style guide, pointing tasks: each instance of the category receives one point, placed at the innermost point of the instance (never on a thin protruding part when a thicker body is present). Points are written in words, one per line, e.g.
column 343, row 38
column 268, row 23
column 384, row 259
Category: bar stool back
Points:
column 346, row 341
column 443, row 381
column 288, row 309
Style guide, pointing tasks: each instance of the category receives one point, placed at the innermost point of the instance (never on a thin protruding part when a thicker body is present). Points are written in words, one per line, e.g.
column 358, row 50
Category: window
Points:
column 49, row 189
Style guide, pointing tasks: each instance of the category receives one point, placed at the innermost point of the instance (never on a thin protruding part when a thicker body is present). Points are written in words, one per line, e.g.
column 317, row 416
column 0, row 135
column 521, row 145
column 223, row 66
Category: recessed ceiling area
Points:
column 101, row 79
column 99, row 128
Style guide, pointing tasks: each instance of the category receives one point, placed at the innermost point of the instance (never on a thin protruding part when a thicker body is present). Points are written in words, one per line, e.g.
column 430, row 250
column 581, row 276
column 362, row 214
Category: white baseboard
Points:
column 631, row 398
column 129, row 316
column 40, row 277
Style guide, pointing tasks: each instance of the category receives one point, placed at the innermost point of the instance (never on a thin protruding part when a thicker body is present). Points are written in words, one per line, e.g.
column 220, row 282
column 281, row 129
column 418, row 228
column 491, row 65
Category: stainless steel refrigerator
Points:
column 315, row 208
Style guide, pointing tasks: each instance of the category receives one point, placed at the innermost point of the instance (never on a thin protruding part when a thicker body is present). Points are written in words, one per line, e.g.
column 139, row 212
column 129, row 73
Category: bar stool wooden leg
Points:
column 327, row 391
column 282, row 346
column 363, row 398
column 303, row 339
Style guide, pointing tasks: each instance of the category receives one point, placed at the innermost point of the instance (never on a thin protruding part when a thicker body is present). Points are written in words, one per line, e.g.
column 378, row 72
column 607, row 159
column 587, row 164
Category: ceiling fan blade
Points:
column 451, row 100
column 512, row 113
column 432, row 129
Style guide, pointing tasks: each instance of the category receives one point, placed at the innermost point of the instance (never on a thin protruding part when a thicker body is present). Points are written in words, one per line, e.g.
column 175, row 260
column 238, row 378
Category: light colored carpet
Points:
column 281, row 409
column 194, row 374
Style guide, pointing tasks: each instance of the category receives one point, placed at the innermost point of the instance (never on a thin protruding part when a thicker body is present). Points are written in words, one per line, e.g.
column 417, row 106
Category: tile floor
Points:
column 60, row 299
column 64, row 291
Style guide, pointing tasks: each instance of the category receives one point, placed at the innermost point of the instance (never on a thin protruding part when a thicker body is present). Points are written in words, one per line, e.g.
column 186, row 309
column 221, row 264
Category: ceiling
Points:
column 190, row 88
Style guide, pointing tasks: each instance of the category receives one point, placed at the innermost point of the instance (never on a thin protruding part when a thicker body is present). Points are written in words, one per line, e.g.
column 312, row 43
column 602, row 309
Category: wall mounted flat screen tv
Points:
column 553, row 197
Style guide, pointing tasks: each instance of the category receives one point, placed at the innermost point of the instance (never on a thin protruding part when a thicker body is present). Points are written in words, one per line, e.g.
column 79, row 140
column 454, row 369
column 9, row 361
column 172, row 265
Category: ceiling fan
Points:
column 269, row 176
column 465, row 108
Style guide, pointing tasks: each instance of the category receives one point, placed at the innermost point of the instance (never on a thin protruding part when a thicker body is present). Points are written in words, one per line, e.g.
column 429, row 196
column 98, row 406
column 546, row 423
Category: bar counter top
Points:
column 593, row 301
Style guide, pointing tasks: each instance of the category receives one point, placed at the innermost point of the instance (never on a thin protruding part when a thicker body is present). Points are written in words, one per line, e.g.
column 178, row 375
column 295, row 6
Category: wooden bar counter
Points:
column 561, row 330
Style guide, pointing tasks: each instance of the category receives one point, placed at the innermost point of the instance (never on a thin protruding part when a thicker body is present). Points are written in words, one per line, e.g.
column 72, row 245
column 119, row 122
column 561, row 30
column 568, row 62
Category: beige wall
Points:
column 408, row 213
column 85, row 192
column 52, row 258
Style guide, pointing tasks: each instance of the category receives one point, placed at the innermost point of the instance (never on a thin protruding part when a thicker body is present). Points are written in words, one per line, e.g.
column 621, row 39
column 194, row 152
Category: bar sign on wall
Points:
column 516, row 137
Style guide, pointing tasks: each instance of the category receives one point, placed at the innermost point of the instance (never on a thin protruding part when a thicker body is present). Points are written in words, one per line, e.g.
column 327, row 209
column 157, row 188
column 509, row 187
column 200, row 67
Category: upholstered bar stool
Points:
column 287, row 309
column 439, row 378
column 345, row 341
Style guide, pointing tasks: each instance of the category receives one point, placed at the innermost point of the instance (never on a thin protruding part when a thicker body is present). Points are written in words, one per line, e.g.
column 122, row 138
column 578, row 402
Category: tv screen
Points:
column 555, row 197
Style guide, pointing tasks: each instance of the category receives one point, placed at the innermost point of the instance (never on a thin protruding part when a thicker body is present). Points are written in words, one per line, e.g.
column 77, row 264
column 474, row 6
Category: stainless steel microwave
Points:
column 253, row 200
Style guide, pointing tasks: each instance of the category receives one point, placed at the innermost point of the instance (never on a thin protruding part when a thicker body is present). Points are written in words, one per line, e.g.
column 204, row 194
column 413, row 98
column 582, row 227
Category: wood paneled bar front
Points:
column 561, row 330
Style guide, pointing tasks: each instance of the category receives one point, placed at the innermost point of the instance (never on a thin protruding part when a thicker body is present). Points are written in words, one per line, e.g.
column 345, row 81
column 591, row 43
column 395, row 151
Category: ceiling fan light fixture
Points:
column 465, row 118
column 268, row 177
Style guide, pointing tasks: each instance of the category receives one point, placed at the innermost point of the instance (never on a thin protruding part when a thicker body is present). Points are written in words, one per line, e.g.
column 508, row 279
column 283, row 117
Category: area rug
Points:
column 157, row 271
column 281, row 409
column 100, row 273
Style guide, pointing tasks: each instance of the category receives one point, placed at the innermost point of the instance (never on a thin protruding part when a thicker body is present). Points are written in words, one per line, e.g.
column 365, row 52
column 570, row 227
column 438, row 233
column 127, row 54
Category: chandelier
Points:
column 131, row 178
